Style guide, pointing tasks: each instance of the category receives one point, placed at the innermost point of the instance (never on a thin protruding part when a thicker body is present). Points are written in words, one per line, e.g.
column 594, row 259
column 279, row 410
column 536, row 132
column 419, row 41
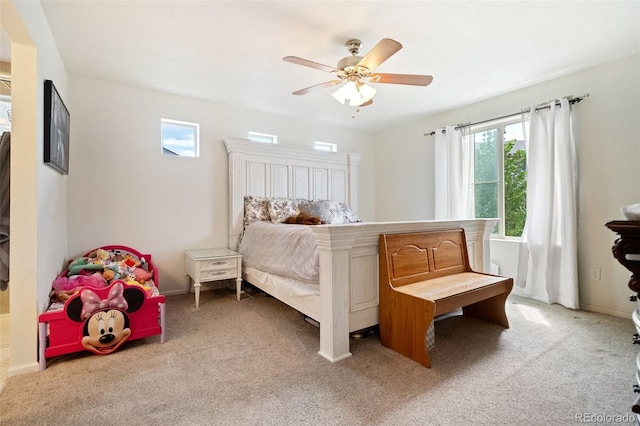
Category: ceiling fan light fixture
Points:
column 350, row 90
column 346, row 92
column 367, row 92
column 338, row 95
column 356, row 93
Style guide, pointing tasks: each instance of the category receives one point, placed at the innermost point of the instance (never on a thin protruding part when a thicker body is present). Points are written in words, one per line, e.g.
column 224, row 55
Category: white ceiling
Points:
column 231, row 51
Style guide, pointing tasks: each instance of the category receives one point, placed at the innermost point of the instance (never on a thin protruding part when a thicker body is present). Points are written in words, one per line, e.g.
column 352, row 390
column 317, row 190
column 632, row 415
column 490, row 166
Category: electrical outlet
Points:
column 595, row 274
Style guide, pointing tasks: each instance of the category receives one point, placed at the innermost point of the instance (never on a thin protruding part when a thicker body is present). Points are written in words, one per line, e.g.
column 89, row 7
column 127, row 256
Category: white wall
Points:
column 122, row 190
column 38, row 194
column 608, row 141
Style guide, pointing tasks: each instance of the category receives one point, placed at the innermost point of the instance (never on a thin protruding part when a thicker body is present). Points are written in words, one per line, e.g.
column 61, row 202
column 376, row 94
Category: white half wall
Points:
column 122, row 190
column 607, row 132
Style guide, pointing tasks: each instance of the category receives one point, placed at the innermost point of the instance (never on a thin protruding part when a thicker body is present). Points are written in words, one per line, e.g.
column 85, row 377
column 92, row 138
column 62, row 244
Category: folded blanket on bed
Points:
column 287, row 250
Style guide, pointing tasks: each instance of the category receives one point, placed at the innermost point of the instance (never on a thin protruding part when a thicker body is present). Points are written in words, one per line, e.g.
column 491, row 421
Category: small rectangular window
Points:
column 326, row 146
column 262, row 137
column 180, row 138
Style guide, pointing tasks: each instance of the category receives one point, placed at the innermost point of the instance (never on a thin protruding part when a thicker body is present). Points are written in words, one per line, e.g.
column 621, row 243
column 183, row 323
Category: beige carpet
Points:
column 255, row 362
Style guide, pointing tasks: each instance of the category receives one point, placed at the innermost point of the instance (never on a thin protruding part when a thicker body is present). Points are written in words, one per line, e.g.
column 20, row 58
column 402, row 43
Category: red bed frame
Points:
column 59, row 335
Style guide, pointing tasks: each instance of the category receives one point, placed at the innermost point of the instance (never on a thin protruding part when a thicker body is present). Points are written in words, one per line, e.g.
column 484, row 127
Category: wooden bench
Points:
column 426, row 274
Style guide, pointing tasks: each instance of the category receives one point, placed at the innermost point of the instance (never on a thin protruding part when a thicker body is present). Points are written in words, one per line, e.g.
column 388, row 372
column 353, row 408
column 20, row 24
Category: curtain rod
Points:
column 544, row 105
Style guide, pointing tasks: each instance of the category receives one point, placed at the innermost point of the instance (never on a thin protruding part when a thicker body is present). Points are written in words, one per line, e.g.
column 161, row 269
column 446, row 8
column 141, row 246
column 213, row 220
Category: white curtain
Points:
column 453, row 174
column 547, row 267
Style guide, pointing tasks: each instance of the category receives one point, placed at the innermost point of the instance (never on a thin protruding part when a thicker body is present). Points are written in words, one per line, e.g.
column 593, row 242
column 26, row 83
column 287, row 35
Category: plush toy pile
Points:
column 98, row 270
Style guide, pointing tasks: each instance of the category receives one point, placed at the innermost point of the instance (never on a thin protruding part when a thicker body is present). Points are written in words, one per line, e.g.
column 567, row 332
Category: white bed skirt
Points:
column 300, row 296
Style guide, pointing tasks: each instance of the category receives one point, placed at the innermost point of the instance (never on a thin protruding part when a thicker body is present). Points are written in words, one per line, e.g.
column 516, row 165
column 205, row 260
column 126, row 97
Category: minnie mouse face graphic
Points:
column 106, row 321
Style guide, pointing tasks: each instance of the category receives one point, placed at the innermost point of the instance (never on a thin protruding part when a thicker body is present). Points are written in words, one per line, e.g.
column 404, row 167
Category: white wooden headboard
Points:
column 268, row 170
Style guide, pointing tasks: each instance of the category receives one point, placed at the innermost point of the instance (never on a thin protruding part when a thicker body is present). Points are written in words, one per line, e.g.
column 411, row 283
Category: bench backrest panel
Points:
column 419, row 256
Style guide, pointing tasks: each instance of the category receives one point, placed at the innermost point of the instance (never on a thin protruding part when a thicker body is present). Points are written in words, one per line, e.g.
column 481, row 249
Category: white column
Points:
column 334, row 291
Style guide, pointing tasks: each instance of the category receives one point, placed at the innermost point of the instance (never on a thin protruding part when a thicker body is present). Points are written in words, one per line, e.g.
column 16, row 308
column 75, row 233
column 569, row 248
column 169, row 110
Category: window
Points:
column 180, row 138
column 262, row 137
column 5, row 114
column 500, row 176
column 5, row 104
column 326, row 146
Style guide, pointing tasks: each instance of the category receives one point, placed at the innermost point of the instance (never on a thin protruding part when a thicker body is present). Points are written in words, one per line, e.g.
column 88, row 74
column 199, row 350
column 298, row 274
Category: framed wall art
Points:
column 56, row 129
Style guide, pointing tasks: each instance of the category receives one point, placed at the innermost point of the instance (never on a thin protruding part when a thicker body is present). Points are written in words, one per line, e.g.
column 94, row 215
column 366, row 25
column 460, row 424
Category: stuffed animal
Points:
column 82, row 264
column 109, row 275
column 142, row 275
column 130, row 262
column 98, row 256
column 131, row 280
column 304, row 219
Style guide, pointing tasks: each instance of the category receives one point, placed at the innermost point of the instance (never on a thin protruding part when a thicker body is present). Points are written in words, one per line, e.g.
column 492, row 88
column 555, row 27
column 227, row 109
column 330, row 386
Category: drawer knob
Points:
column 633, row 298
column 636, row 339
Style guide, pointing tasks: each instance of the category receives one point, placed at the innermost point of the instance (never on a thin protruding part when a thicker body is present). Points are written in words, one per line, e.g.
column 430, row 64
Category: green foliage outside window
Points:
column 487, row 183
column 515, row 189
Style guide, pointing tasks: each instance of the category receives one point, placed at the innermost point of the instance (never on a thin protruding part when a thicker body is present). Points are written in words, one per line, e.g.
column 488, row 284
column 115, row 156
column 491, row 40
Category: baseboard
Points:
column 518, row 291
column 213, row 285
column 601, row 310
column 29, row 367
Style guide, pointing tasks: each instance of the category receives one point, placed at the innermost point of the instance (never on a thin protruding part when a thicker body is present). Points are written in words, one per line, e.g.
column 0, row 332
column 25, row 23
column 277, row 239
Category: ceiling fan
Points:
column 355, row 71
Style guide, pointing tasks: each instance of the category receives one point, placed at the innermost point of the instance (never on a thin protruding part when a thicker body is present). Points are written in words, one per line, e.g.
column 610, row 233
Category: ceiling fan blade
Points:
column 369, row 102
column 380, row 53
column 411, row 79
column 317, row 87
column 308, row 63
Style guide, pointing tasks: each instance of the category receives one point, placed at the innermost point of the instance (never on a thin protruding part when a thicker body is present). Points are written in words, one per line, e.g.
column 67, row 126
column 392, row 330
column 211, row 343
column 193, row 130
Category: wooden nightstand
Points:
column 214, row 264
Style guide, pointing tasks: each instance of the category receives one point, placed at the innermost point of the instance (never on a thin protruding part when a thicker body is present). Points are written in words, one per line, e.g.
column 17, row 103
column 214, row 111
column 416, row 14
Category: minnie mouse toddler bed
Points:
column 103, row 299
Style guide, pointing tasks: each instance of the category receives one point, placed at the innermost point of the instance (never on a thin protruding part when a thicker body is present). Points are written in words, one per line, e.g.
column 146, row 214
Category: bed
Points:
column 114, row 285
column 346, row 299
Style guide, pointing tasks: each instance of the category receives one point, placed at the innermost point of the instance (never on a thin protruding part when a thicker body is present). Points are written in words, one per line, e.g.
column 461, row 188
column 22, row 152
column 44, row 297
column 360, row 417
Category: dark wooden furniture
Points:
column 425, row 274
column 626, row 249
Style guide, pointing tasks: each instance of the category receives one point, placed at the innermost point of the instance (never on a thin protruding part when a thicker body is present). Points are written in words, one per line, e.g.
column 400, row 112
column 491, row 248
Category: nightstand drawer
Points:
column 217, row 264
column 219, row 274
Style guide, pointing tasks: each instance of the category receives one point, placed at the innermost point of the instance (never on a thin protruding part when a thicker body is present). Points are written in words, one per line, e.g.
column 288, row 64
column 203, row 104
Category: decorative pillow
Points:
column 255, row 209
column 349, row 215
column 282, row 208
column 333, row 212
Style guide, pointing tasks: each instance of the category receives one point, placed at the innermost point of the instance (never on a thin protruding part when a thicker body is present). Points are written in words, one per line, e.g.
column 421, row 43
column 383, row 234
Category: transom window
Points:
column 180, row 138
column 326, row 146
column 500, row 176
column 262, row 137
